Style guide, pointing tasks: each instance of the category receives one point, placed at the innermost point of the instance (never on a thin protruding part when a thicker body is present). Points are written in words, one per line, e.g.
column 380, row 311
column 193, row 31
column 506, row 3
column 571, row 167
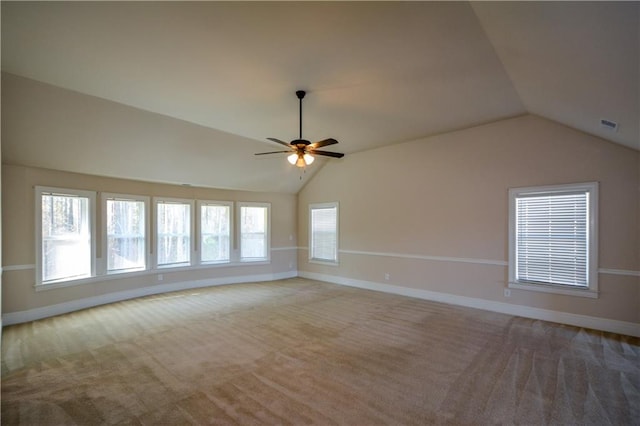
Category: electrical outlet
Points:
column 160, row 277
column 387, row 276
column 507, row 292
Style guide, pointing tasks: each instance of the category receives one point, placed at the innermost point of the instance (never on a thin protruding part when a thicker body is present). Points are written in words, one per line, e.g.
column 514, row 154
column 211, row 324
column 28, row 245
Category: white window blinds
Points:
column 324, row 233
column 552, row 238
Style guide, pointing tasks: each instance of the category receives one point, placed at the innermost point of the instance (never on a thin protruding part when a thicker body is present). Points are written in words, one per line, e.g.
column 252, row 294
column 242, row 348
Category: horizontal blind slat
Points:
column 324, row 233
column 551, row 238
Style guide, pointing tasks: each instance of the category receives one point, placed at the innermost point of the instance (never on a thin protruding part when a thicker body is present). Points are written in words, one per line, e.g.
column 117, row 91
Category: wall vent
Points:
column 609, row 125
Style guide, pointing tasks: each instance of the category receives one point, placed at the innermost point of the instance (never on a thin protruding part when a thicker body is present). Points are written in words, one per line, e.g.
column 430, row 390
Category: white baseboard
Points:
column 75, row 305
column 604, row 324
column 614, row 326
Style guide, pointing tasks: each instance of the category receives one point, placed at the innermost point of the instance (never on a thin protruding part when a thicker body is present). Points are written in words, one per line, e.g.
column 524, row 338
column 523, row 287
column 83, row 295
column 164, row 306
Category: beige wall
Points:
column 432, row 213
column 18, row 241
column 42, row 124
column 446, row 196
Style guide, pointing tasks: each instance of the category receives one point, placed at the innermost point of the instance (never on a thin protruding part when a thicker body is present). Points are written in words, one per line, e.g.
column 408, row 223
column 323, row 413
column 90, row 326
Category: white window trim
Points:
column 99, row 271
column 193, row 241
column 102, row 262
column 238, row 256
column 199, row 205
column 91, row 195
column 592, row 272
column 311, row 259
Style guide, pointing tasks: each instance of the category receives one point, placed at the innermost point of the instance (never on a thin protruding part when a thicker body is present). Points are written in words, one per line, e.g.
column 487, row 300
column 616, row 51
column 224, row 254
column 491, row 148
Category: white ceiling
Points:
column 377, row 73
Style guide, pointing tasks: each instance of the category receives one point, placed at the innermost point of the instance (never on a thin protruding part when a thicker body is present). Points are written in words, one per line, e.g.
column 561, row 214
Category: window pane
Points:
column 215, row 233
column 253, row 232
column 174, row 236
column 324, row 236
column 66, row 237
column 125, row 235
column 552, row 239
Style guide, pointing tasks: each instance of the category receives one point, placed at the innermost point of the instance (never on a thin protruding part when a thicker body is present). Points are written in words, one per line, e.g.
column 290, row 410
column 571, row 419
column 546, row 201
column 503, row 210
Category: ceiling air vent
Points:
column 609, row 125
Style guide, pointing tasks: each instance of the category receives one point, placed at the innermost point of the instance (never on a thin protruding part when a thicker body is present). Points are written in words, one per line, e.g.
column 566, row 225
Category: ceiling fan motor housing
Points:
column 300, row 143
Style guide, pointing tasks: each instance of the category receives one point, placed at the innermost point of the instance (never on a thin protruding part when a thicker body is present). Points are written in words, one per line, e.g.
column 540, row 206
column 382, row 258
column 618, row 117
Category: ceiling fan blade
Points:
column 272, row 152
column 327, row 153
column 279, row 141
column 320, row 144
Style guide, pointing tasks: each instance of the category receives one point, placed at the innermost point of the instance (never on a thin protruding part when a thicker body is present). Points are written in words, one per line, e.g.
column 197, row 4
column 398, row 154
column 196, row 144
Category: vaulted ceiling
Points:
column 376, row 73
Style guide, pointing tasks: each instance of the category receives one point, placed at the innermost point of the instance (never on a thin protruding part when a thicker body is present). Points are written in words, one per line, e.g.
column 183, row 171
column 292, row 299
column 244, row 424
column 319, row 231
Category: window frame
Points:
column 319, row 206
column 199, row 205
column 192, row 240
column 91, row 196
column 590, row 188
column 267, row 258
column 106, row 196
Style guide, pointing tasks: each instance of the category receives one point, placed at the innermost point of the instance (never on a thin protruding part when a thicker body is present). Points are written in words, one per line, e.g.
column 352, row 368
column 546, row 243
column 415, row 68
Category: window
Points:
column 126, row 232
column 64, row 229
column 215, row 231
column 323, row 230
column 66, row 235
column 553, row 239
column 254, row 231
column 173, row 230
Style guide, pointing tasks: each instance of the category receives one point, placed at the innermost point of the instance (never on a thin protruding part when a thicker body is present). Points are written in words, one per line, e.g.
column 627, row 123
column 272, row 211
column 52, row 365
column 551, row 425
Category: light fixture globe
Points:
column 300, row 159
column 308, row 159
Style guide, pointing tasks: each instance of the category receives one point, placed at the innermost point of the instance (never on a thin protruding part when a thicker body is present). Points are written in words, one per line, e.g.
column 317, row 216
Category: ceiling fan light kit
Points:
column 299, row 160
column 301, row 150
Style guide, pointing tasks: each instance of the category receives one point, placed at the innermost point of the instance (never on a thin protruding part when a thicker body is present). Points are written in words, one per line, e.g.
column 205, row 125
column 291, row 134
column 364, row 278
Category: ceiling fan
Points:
column 302, row 151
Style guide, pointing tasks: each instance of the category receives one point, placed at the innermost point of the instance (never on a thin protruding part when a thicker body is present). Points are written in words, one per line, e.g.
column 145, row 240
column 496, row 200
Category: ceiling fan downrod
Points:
column 300, row 94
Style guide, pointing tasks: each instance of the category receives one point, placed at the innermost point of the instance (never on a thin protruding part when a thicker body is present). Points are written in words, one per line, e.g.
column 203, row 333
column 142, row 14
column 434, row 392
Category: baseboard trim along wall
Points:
column 76, row 305
column 614, row 326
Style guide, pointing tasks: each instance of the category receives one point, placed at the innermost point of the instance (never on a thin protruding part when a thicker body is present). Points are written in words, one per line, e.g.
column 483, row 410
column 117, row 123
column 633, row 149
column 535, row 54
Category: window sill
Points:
column 556, row 289
column 324, row 262
column 124, row 271
column 159, row 270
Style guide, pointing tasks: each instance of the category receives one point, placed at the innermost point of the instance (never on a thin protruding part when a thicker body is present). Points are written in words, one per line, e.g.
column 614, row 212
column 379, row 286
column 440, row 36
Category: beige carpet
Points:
column 304, row 352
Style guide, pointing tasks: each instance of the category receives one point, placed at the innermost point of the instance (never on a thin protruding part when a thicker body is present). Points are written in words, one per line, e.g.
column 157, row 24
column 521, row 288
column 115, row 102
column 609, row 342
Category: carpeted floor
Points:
column 303, row 352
